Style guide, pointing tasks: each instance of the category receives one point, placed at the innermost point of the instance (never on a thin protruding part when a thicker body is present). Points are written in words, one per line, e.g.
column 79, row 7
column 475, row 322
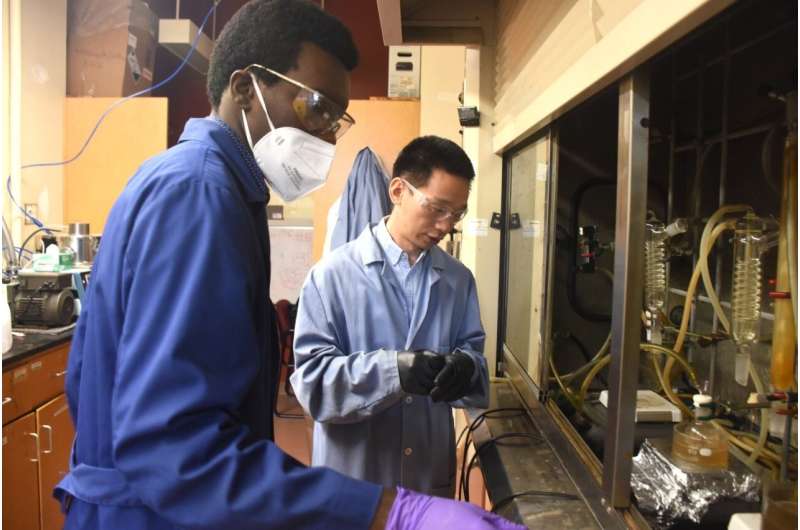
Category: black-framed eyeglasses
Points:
column 318, row 113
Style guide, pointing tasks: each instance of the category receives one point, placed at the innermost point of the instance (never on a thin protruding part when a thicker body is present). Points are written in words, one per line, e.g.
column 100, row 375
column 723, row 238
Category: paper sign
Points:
column 541, row 171
column 531, row 228
column 477, row 227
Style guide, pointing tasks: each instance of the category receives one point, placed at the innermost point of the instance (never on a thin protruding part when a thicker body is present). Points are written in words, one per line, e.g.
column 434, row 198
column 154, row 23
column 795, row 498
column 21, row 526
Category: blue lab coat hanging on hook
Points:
column 365, row 199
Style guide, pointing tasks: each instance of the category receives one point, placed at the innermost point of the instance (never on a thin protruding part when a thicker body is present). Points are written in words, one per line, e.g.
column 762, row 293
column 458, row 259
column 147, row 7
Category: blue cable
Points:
column 117, row 103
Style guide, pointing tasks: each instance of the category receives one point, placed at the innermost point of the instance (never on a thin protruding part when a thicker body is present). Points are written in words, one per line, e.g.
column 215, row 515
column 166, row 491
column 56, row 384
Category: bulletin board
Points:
column 291, row 258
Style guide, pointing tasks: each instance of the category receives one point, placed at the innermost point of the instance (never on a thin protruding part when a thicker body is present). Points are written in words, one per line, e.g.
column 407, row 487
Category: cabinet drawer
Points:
column 36, row 381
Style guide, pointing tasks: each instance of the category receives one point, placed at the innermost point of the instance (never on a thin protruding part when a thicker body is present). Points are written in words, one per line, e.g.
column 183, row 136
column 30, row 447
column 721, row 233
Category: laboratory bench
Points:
column 37, row 430
column 517, row 452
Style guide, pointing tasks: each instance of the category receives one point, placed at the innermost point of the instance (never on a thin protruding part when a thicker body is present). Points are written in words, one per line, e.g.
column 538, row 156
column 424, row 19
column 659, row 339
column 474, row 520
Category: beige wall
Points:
column 552, row 53
column 481, row 252
column 34, row 80
column 42, row 78
column 441, row 80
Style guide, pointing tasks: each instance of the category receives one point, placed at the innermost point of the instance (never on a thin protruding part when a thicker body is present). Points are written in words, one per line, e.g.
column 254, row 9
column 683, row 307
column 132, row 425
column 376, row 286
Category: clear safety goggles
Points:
column 440, row 213
column 318, row 114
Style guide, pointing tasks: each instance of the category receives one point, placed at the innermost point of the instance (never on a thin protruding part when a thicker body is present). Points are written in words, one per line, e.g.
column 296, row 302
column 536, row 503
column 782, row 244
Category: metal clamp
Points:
column 49, row 440
column 60, row 374
column 7, row 400
column 36, row 438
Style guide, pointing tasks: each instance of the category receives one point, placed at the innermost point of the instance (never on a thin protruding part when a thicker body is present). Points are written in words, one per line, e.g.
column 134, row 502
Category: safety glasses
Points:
column 440, row 213
column 317, row 113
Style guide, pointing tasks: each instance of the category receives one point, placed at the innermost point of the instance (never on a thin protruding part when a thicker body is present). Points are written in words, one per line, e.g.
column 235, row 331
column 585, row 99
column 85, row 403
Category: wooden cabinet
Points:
column 21, row 474
column 34, row 382
column 55, row 442
column 37, row 439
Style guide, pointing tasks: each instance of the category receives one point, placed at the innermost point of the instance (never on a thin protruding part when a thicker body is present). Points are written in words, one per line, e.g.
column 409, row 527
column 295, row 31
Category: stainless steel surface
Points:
column 526, row 464
column 84, row 246
column 568, row 456
column 549, row 262
column 634, row 105
column 78, row 229
column 519, row 377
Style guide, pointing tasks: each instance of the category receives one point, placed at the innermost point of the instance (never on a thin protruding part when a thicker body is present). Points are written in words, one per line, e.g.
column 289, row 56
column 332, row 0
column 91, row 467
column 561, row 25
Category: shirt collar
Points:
column 373, row 251
column 236, row 154
column 393, row 252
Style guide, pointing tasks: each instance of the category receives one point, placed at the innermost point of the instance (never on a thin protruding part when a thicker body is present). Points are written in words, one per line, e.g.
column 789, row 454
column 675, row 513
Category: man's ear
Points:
column 396, row 188
column 241, row 88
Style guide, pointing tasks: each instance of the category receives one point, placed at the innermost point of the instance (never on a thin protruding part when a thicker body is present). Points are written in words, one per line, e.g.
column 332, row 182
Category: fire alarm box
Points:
column 404, row 66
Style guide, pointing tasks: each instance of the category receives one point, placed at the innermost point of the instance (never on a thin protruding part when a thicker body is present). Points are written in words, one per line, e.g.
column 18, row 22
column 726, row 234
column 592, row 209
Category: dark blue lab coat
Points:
column 172, row 369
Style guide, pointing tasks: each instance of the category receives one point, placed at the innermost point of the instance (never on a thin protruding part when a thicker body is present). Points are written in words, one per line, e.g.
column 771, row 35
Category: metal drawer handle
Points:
column 7, row 400
column 49, row 449
column 36, row 438
column 60, row 374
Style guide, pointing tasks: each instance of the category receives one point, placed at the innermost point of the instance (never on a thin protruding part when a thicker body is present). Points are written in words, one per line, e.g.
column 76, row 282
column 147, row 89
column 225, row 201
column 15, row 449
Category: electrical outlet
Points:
column 32, row 210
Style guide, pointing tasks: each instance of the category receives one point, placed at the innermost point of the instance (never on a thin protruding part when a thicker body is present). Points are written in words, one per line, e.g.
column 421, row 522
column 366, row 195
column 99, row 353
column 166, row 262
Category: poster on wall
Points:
column 291, row 256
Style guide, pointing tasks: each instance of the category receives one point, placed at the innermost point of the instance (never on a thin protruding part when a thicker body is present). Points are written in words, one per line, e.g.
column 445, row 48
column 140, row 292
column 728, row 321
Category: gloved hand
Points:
column 453, row 381
column 415, row 511
column 418, row 370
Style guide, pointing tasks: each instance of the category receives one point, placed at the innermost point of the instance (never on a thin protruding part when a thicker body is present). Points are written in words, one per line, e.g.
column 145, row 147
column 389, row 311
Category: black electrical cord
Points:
column 465, row 473
column 474, row 425
column 30, row 236
column 534, row 493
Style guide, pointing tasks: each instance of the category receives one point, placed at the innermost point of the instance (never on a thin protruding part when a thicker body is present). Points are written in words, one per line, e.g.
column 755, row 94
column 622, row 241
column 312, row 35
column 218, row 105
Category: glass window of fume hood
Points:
column 528, row 173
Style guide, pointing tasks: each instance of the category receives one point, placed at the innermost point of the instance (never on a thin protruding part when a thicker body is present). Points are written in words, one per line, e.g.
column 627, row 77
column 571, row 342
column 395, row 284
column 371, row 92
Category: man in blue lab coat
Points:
column 388, row 334
column 173, row 363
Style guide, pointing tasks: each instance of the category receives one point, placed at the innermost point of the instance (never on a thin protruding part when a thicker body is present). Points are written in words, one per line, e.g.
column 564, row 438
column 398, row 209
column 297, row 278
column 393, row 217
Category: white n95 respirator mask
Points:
column 294, row 162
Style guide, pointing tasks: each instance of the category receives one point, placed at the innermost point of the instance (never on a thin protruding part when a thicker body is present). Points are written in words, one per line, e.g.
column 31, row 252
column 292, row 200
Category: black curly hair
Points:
column 422, row 155
column 269, row 33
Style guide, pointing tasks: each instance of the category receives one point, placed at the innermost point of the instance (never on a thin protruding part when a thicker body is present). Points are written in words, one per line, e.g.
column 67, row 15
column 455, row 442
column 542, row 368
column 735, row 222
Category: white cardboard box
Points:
column 650, row 407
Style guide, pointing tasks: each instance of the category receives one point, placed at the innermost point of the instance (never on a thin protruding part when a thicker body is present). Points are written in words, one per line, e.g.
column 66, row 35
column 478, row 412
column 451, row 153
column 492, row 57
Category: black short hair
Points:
column 422, row 155
column 270, row 33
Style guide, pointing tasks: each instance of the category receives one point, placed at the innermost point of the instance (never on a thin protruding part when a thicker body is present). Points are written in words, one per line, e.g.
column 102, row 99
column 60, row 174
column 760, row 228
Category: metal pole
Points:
column 634, row 105
column 787, row 435
column 723, row 183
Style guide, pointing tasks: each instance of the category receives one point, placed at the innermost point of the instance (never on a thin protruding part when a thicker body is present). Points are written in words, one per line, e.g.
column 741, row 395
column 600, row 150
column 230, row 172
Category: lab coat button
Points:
column 407, row 451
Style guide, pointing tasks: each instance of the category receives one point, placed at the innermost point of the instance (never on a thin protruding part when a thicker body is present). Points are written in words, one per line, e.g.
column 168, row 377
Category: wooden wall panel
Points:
column 546, row 37
column 132, row 133
column 552, row 54
column 384, row 125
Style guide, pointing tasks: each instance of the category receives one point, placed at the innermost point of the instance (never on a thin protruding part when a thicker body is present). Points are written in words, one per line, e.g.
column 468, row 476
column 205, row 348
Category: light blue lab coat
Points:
column 350, row 326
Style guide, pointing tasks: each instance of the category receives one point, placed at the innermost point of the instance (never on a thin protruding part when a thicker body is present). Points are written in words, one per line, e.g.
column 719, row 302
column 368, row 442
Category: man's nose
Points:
column 445, row 224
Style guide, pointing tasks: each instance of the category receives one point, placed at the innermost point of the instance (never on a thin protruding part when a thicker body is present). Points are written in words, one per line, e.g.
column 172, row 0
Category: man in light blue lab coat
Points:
column 388, row 334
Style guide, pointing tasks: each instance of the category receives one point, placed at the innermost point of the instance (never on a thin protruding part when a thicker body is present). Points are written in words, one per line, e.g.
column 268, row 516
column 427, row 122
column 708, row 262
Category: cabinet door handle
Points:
column 49, row 430
column 7, row 400
column 60, row 374
column 36, row 440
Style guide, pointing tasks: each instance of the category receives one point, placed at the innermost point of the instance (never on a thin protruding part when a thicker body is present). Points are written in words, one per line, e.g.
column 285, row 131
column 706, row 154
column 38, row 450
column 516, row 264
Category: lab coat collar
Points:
column 371, row 252
column 238, row 156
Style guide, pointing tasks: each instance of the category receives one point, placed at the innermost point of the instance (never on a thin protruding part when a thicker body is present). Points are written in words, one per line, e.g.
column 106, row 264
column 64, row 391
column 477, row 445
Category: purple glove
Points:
column 415, row 511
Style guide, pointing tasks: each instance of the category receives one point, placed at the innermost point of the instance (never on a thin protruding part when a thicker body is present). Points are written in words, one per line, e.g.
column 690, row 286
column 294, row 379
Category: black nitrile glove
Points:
column 453, row 381
column 418, row 370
